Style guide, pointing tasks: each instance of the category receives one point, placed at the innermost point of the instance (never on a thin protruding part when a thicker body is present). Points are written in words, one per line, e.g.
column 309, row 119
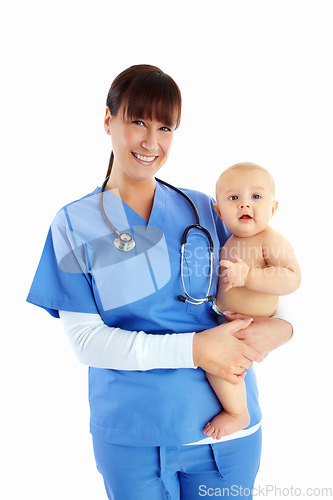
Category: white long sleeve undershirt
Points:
column 98, row 345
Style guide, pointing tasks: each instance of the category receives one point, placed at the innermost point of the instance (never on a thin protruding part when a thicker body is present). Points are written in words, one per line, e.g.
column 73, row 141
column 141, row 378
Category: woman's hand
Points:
column 219, row 352
column 263, row 334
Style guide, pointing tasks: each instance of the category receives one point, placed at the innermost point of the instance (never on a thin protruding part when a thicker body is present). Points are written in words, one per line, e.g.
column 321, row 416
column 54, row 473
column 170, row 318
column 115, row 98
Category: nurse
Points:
column 146, row 350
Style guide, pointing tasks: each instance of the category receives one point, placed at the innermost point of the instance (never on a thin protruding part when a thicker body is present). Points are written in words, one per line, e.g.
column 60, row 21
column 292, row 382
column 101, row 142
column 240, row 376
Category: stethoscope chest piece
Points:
column 124, row 242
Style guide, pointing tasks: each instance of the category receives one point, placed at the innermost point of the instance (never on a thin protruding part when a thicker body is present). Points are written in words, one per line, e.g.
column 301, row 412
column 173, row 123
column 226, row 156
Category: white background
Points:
column 256, row 79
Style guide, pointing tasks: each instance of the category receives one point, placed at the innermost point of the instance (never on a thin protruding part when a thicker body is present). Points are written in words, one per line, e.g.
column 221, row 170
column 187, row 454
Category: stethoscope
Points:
column 125, row 242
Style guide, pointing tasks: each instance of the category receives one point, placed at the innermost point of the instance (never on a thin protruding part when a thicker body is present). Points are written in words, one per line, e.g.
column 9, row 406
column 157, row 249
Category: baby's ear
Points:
column 218, row 210
column 274, row 207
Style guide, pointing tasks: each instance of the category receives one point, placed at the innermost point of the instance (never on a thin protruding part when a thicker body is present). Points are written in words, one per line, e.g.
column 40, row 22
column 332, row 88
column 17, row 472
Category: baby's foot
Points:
column 226, row 423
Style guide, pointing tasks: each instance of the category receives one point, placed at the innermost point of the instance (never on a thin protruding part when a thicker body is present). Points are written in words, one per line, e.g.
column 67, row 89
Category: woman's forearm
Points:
column 215, row 350
column 266, row 334
column 280, row 331
column 98, row 345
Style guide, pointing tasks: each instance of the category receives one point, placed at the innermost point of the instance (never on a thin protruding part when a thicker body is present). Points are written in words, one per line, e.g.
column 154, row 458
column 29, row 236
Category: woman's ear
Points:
column 107, row 120
column 274, row 207
column 218, row 210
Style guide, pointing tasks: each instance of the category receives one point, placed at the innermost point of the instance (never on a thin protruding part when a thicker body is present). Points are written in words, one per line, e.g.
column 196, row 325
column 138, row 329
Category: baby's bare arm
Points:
column 280, row 276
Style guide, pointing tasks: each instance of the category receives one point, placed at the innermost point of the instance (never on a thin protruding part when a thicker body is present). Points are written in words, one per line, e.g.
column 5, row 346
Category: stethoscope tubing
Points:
column 101, row 207
column 129, row 245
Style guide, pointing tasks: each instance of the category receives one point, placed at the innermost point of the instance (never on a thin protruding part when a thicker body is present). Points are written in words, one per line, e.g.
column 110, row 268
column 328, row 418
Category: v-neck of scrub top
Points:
column 157, row 215
column 139, row 268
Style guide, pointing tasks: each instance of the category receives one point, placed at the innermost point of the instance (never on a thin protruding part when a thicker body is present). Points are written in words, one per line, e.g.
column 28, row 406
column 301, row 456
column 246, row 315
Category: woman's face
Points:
column 140, row 146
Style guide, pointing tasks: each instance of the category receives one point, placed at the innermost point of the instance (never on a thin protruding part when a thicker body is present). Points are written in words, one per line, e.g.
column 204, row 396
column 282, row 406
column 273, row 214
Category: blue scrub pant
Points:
column 190, row 472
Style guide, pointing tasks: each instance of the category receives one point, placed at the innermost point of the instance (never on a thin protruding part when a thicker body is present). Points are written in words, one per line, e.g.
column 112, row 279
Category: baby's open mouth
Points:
column 245, row 217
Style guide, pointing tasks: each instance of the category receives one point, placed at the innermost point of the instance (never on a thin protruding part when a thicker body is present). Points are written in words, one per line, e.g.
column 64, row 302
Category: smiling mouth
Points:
column 147, row 159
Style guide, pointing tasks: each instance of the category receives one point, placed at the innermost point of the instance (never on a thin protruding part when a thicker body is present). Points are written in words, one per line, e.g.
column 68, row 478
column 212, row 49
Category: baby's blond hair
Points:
column 246, row 167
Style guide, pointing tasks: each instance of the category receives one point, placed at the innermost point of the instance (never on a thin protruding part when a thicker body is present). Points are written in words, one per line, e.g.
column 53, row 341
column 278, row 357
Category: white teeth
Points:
column 144, row 158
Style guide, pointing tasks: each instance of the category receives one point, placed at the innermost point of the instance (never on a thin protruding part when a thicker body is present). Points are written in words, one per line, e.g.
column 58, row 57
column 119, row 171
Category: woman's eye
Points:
column 256, row 196
column 138, row 122
column 168, row 128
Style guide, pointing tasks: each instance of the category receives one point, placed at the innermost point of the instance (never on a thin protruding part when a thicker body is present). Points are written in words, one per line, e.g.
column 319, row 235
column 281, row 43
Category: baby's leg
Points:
column 233, row 399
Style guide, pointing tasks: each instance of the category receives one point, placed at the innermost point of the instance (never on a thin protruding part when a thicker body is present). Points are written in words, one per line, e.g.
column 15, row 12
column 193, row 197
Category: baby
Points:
column 257, row 263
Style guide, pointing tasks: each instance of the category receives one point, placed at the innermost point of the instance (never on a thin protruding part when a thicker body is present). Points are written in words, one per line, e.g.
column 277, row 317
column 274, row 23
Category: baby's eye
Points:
column 233, row 197
column 256, row 196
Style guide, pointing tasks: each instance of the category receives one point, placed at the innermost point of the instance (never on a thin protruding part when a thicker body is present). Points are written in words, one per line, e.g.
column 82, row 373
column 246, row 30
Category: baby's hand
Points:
column 235, row 273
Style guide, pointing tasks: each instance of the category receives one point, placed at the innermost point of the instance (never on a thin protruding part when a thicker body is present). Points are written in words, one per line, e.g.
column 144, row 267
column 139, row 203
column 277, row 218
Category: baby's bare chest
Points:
column 250, row 250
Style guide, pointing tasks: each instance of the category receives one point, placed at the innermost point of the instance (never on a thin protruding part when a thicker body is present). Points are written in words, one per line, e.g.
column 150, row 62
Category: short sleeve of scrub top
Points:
column 61, row 281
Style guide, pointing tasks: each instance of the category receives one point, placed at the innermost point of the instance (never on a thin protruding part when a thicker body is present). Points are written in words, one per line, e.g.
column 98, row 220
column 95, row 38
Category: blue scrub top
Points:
column 82, row 271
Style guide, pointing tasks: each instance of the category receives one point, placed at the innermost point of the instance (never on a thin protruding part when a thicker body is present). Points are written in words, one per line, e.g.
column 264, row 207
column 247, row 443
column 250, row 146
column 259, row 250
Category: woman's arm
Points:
column 265, row 334
column 98, row 345
column 215, row 350
column 219, row 351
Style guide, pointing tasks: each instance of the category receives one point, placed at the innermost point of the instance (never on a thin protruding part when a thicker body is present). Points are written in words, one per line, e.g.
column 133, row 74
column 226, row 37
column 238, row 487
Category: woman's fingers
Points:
column 219, row 352
column 231, row 316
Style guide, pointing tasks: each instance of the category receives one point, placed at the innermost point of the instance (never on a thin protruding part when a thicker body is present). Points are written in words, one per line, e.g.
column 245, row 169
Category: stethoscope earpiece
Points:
column 181, row 298
column 210, row 298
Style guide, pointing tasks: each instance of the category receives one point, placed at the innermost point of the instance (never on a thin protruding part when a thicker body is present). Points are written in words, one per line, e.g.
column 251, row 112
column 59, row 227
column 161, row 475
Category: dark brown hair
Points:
column 145, row 91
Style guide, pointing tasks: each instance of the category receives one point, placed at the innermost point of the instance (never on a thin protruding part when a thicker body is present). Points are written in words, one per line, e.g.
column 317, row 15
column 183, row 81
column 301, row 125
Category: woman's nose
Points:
column 150, row 142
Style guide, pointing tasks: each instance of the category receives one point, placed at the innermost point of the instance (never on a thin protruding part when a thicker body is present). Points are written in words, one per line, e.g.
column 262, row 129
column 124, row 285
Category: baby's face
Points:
column 246, row 201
